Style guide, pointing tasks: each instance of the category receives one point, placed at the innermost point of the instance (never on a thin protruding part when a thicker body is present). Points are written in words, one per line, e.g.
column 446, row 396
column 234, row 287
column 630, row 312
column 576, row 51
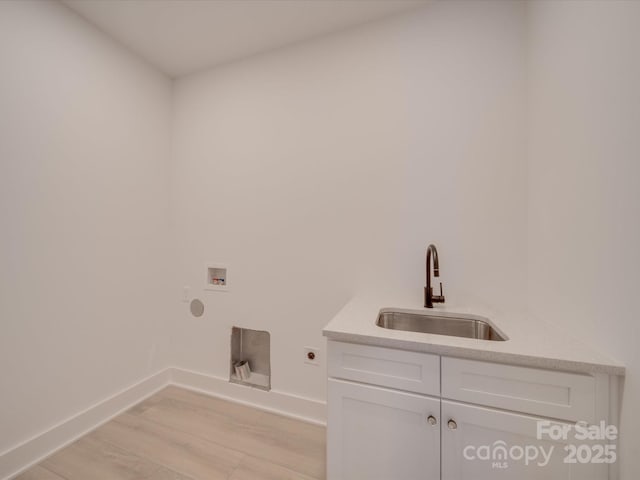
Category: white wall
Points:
column 313, row 171
column 584, row 195
column 83, row 218
column 317, row 169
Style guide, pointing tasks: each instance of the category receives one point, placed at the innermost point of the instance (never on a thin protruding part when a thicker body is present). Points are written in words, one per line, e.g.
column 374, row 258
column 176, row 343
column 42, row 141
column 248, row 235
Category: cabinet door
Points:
column 472, row 447
column 377, row 433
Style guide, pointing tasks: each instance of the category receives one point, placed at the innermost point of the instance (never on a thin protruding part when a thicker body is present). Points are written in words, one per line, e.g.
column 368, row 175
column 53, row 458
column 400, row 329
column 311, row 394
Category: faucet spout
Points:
column 429, row 297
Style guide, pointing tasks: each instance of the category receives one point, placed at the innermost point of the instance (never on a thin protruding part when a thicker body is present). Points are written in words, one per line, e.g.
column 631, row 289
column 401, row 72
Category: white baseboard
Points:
column 32, row 451
column 282, row 403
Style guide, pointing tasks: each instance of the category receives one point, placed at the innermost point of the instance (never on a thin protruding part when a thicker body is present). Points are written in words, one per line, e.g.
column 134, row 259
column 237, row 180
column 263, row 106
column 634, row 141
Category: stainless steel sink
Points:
column 456, row 326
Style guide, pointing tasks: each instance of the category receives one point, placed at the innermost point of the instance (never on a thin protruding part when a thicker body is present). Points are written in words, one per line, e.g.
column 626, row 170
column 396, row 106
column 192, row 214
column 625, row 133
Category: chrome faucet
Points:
column 429, row 297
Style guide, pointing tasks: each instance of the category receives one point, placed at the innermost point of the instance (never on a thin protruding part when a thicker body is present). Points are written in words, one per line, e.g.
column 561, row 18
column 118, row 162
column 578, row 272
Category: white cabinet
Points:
column 487, row 444
column 380, row 401
column 377, row 433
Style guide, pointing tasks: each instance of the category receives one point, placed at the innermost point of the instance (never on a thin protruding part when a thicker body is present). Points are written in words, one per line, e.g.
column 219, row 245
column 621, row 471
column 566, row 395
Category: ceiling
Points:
column 183, row 36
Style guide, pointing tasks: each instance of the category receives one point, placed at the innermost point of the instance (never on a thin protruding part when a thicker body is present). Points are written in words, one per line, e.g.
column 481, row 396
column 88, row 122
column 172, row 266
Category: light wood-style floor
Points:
column 182, row 435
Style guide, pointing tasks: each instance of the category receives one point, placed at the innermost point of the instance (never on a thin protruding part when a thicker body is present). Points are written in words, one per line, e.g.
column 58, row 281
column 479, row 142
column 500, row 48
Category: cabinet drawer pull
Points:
column 432, row 420
column 452, row 424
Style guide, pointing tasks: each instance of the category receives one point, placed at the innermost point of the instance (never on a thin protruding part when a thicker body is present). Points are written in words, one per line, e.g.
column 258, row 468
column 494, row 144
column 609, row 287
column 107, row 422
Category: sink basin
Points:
column 452, row 325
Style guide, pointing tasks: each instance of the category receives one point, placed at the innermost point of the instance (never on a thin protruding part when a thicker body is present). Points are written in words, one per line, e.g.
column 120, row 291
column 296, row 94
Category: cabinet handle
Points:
column 452, row 425
column 432, row 420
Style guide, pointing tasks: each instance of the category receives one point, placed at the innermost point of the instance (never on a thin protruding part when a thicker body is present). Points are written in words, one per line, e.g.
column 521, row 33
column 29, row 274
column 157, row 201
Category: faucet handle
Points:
column 439, row 298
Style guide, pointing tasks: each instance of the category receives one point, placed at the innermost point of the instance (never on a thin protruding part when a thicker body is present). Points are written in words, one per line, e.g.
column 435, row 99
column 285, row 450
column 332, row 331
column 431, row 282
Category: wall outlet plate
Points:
column 186, row 290
column 311, row 356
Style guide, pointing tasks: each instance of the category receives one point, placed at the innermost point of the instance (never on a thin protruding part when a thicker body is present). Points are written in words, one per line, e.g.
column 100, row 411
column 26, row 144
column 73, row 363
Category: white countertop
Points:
column 530, row 343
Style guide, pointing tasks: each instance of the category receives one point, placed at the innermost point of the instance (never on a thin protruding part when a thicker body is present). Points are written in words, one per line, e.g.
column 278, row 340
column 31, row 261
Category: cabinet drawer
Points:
column 548, row 393
column 410, row 371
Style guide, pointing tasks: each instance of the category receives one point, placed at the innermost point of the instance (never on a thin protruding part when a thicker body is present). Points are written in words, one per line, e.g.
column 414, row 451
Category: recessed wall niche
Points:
column 250, row 358
column 217, row 277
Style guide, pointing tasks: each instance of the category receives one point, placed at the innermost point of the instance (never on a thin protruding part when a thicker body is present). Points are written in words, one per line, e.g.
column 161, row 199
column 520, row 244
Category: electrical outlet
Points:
column 311, row 356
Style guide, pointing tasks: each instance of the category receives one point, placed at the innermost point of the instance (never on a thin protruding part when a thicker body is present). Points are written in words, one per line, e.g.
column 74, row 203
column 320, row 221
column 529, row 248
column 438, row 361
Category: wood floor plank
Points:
column 91, row 458
column 149, row 402
column 178, row 434
column 301, row 449
column 39, row 473
column 174, row 449
column 304, row 431
column 217, row 405
column 245, row 414
column 252, row 468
